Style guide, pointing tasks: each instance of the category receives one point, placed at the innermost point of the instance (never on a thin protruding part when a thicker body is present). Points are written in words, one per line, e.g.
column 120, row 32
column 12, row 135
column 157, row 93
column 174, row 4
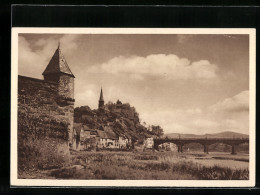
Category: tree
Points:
column 157, row 130
column 110, row 105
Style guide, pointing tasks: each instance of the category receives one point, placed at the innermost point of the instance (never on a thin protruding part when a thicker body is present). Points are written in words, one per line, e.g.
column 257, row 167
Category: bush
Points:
column 146, row 157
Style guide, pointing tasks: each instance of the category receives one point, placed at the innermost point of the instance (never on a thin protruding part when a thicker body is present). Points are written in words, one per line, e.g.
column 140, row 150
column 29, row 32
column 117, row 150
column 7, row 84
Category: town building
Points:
column 124, row 142
column 104, row 137
column 148, row 143
column 86, row 138
column 108, row 138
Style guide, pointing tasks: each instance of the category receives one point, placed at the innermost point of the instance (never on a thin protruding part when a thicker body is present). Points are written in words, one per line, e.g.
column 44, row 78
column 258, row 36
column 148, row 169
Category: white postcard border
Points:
column 14, row 181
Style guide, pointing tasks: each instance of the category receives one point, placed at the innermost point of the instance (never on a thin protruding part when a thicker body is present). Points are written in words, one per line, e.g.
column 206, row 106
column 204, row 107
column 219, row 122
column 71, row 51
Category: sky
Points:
column 185, row 83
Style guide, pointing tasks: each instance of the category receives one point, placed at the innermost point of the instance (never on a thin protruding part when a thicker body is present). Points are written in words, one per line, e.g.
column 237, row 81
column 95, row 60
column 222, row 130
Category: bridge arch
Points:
column 194, row 146
column 205, row 142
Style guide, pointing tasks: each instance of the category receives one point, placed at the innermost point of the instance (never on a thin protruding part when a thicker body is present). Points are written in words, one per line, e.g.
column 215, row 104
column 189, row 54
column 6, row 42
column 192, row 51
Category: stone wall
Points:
column 66, row 86
column 45, row 124
column 52, row 78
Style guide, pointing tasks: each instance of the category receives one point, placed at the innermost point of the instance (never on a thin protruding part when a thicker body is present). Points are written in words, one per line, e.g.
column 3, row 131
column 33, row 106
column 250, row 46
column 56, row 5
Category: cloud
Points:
column 169, row 66
column 203, row 123
column 180, row 120
column 67, row 43
column 30, row 63
column 177, row 101
column 33, row 57
column 194, row 111
column 88, row 94
column 238, row 103
column 197, row 120
column 230, row 123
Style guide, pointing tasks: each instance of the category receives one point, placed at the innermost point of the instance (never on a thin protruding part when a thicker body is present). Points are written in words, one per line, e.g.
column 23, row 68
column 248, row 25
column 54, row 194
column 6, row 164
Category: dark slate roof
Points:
column 110, row 133
column 101, row 127
column 58, row 64
column 101, row 134
column 126, row 136
column 86, row 128
column 107, row 134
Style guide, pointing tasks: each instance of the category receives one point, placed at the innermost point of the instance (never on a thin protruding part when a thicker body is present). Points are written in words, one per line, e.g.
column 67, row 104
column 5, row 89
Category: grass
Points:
column 143, row 166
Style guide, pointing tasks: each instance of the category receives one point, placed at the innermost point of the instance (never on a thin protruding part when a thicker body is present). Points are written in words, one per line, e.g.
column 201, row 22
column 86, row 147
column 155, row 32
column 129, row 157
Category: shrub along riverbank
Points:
column 127, row 165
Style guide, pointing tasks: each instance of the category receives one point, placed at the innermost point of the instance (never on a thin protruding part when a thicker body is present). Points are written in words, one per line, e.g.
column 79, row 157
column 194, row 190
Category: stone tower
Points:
column 59, row 72
column 101, row 100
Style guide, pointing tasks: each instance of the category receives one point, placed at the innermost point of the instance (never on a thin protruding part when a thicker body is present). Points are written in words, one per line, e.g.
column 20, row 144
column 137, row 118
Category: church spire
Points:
column 101, row 99
column 101, row 95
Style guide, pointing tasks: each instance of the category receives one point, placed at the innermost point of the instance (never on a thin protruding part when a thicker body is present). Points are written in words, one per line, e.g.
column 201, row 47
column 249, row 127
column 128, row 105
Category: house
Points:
column 112, row 138
column 103, row 137
column 107, row 138
column 85, row 138
column 88, row 132
column 124, row 142
column 148, row 142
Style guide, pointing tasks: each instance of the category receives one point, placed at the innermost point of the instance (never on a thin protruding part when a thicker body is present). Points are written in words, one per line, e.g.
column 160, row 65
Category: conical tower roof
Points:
column 58, row 64
column 101, row 95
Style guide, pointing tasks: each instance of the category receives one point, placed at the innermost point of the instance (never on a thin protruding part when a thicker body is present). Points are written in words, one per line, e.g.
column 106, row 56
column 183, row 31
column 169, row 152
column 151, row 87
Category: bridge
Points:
column 180, row 142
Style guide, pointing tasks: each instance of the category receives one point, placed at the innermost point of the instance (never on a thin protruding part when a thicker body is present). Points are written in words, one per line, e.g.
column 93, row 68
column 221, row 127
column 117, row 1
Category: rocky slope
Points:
column 122, row 118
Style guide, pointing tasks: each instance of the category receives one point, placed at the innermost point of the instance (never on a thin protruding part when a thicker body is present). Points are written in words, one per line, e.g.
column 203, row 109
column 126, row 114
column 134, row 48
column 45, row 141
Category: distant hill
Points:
column 225, row 134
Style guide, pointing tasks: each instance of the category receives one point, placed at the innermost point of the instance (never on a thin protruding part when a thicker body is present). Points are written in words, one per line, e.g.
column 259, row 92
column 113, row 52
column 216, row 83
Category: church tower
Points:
column 101, row 100
column 59, row 72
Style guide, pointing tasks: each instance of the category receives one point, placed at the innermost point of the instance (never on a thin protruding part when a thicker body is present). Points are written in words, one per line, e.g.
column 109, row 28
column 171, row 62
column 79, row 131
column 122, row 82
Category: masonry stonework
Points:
column 66, row 86
column 45, row 117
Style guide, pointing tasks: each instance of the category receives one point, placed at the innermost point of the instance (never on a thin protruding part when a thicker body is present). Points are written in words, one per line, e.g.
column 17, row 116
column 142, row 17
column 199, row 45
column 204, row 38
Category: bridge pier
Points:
column 156, row 147
column 233, row 150
column 206, row 149
column 179, row 148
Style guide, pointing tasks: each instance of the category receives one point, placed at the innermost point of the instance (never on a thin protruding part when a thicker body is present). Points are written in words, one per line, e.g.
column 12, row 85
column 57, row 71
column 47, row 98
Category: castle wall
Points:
column 51, row 77
column 45, row 124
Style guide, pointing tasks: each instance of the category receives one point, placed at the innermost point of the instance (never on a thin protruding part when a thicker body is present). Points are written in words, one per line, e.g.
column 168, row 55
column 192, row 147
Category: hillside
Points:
column 122, row 118
column 225, row 134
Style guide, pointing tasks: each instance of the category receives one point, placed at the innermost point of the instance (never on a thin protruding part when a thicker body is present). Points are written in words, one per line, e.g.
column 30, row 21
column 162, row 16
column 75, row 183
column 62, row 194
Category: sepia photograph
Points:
column 133, row 107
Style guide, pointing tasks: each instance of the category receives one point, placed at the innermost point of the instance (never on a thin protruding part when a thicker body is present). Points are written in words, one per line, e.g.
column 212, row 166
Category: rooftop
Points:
column 58, row 64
